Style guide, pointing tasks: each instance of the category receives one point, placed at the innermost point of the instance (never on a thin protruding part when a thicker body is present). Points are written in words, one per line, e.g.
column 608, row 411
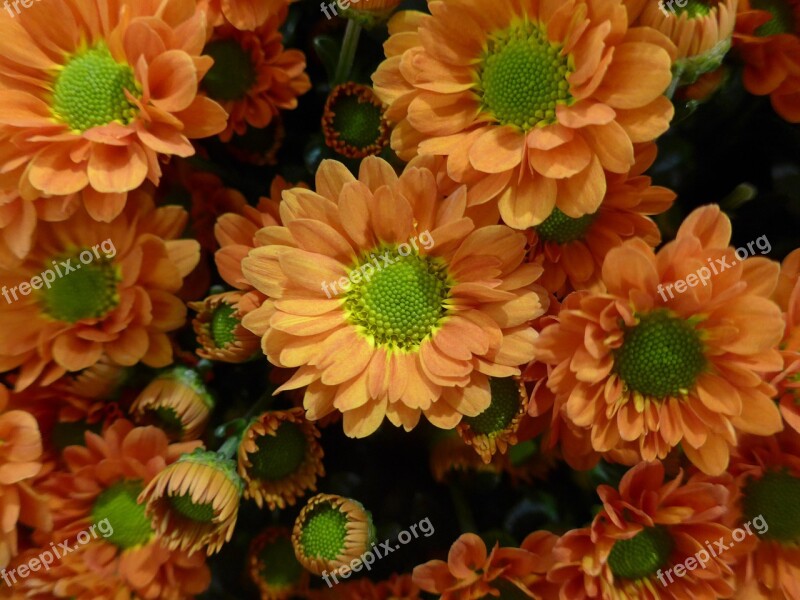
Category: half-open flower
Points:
column 353, row 122
column 219, row 330
column 274, row 568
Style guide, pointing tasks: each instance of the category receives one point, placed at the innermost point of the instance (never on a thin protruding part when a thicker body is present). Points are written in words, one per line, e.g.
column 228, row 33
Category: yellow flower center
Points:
column 89, row 90
column 398, row 304
column 523, row 76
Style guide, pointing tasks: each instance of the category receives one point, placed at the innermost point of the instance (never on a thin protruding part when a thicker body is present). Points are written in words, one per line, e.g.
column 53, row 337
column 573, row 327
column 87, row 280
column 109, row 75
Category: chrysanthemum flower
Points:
column 653, row 363
column 92, row 106
column 643, row 530
column 700, row 29
column 111, row 292
column 236, row 233
column 572, row 251
column 787, row 295
column 766, row 488
column 103, row 380
column 253, row 76
column 280, row 458
column 99, row 490
column 177, row 401
column 353, row 122
column 273, row 566
column 532, row 98
column 767, row 37
column 20, row 462
column 465, row 299
column 194, row 501
column 243, row 14
column 331, row 532
column 471, row 572
column 495, row 429
column 219, row 330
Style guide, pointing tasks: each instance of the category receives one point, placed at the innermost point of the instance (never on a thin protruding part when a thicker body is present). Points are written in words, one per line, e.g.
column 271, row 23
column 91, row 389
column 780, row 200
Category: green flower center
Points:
column 280, row 455
column 165, row 418
column 89, row 90
column 87, row 291
column 358, row 122
column 324, row 532
column 696, row 8
column 223, row 325
column 783, row 18
column 523, row 76
column 773, row 500
column 661, row 356
column 502, row 409
column 642, row 555
column 125, row 516
column 185, row 506
column 280, row 566
column 233, row 73
column 561, row 229
column 401, row 303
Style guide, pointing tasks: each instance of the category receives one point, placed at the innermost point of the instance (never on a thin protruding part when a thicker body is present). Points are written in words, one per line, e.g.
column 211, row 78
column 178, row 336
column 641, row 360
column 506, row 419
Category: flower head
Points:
column 91, row 108
column 353, row 122
column 219, row 330
column 390, row 299
column 330, row 532
column 655, row 361
column 177, row 401
column 194, row 502
column 532, row 99
column 253, row 76
column 273, row 566
column 643, row 530
column 97, row 291
column 787, row 295
column 246, row 15
column 280, row 458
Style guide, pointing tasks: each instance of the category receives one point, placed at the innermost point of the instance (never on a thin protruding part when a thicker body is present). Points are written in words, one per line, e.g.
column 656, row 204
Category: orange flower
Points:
column 505, row 572
column 767, row 37
column 652, row 363
column 787, row 295
column 353, row 122
column 572, row 250
column 20, row 461
column 243, row 14
column 436, row 305
column 253, row 76
column 766, row 485
column 641, row 533
column 95, row 92
column 280, row 458
column 98, row 493
column 236, row 233
column 397, row 587
column 531, row 98
column 219, row 330
column 111, row 293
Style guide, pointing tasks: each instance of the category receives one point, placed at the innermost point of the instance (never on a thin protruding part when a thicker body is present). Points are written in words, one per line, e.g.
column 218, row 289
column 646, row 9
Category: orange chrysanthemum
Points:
column 787, row 295
column 98, row 493
column 219, row 330
column 531, row 99
column 572, row 250
column 111, row 293
column 765, row 488
column 353, row 122
column 236, row 233
column 20, row 462
column 436, row 305
column 280, row 458
column 470, row 572
column 652, row 363
column 643, row 531
column 95, row 92
column 253, row 76
column 767, row 37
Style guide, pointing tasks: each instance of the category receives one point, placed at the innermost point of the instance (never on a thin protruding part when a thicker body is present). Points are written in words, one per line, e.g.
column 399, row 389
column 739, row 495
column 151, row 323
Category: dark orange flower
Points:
column 243, row 14
column 787, row 295
column 353, row 123
column 219, row 330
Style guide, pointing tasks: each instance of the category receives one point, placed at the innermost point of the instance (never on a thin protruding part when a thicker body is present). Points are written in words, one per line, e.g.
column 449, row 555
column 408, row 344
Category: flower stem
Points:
column 348, row 52
column 463, row 512
column 229, row 448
